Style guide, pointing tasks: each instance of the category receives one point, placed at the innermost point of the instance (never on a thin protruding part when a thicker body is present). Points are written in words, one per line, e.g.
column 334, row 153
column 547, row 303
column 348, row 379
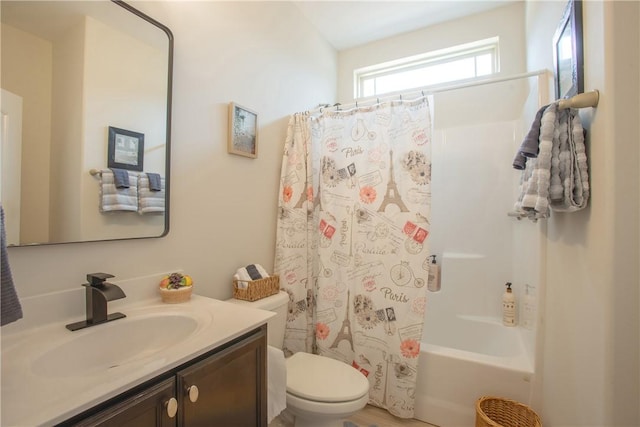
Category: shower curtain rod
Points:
column 587, row 99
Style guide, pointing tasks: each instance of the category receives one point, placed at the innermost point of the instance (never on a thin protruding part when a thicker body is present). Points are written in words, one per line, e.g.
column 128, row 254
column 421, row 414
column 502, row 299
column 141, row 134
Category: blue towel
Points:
column 253, row 272
column 529, row 147
column 155, row 181
column 520, row 161
column 10, row 308
column 120, row 178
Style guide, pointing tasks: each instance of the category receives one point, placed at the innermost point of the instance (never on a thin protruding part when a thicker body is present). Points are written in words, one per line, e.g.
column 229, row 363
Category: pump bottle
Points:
column 433, row 282
column 509, row 307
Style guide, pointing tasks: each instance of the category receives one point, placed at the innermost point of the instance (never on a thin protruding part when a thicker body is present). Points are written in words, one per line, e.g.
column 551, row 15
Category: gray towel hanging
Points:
column 10, row 308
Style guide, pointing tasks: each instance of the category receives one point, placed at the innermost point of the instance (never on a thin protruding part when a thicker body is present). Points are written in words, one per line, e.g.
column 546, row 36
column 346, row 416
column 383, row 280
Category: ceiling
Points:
column 346, row 24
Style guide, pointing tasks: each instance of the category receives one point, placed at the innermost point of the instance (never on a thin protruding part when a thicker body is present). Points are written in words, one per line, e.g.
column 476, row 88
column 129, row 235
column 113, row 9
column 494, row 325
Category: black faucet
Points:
column 98, row 292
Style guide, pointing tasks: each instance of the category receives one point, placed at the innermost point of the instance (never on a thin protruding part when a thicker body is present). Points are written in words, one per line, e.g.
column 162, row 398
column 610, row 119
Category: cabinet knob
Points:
column 193, row 393
column 172, row 407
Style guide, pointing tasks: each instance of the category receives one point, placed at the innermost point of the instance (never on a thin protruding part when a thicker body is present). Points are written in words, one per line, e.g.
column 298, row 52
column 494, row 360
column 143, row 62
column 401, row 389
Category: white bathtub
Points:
column 465, row 357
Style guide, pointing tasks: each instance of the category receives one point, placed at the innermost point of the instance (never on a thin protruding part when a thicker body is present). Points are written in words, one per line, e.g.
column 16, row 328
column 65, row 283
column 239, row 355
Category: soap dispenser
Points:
column 509, row 307
column 433, row 282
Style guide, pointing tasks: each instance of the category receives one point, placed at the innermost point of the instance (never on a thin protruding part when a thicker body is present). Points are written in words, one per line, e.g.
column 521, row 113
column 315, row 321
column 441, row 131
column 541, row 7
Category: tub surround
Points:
column 27, row 382
column 466, row 351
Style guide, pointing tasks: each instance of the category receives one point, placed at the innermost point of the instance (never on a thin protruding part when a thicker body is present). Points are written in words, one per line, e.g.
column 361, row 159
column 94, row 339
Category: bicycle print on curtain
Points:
column 352, row 238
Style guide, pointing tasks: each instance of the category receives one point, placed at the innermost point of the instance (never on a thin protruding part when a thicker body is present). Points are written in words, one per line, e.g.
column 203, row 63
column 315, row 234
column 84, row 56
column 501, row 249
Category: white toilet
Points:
column 320, row 391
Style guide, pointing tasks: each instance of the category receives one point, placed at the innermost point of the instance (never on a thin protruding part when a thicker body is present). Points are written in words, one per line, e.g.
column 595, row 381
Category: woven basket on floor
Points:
column 499, row 412
column 256, row 289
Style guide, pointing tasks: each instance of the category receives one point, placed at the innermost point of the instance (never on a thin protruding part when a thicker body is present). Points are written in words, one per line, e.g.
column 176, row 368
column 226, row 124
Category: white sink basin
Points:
column 114, row 344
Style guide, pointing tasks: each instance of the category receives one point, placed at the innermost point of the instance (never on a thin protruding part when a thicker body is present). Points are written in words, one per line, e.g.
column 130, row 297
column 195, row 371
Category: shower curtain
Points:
column 352, row 241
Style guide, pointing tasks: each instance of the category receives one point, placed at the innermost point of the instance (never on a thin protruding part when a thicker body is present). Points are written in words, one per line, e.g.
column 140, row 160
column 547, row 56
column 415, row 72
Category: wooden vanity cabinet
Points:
column 147, row 408
column 231, row 388
column 224, row 388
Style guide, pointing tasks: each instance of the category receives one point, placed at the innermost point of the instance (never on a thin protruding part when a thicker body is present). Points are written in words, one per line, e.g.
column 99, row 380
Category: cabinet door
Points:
column 148, row 408
column 231, row 387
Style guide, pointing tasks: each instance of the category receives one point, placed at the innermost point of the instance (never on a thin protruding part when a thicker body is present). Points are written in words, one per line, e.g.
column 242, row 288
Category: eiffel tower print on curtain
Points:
column 303, row 198
column 392, row 196
column 345, row 330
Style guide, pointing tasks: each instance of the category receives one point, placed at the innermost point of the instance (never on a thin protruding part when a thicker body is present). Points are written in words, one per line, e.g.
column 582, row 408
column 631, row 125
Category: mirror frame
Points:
column 167, row 160
column 169, row 34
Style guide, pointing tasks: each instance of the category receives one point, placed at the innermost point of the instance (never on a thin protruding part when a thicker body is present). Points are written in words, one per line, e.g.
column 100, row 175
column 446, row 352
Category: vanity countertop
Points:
column 35, row 393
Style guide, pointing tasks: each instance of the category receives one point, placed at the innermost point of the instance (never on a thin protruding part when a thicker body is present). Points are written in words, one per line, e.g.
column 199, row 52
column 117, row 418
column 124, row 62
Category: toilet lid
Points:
column 322, row 379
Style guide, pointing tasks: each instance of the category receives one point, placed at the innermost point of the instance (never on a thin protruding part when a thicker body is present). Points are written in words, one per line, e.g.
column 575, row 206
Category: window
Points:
column 459, row 63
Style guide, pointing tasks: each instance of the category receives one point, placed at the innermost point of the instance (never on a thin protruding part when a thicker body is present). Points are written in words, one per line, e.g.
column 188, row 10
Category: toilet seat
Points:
column 321, row 379
column 314, row 410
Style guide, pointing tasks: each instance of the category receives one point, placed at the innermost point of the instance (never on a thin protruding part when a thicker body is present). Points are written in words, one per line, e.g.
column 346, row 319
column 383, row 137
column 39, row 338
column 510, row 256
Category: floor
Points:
column 369, row 416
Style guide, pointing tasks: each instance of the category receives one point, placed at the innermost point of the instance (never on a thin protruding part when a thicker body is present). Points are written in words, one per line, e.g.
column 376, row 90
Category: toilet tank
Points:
column 275, row 326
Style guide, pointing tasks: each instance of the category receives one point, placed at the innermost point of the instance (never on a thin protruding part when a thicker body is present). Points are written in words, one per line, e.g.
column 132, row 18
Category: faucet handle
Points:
column 97, row 279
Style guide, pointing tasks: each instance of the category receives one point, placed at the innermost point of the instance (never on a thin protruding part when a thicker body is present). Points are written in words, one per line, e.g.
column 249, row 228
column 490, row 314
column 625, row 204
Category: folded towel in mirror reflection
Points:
column 120, row 178
column 118, row 199
column 150, row 200
column 155, row 181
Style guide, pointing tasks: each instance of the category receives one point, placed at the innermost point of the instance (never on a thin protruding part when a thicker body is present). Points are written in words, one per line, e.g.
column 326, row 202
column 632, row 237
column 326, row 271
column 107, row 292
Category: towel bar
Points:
column 582, row 100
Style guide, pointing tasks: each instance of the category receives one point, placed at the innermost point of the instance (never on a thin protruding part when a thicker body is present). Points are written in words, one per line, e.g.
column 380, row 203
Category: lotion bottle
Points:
column 433, row 282
column 509, row 307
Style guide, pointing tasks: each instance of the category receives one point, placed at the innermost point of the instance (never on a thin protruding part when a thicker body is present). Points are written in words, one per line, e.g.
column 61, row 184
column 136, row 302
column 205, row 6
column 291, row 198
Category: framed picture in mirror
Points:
column 567, row 52
column 126, row 149
column 243, row 131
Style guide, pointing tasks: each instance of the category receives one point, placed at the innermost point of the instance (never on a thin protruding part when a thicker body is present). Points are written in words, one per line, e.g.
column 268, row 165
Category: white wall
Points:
column 591, row 318
column 263, row 55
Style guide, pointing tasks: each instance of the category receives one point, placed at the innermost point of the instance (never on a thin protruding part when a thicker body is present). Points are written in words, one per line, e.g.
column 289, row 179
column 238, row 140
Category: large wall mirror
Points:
column 70, row 72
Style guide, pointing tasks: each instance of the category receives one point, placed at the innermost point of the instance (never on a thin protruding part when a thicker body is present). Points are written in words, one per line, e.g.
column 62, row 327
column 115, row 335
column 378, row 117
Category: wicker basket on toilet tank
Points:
column 499, row 412
column 256, row 289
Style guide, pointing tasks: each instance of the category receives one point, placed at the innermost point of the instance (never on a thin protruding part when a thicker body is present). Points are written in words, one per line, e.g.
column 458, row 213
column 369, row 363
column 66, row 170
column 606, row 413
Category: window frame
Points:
column 364, row 75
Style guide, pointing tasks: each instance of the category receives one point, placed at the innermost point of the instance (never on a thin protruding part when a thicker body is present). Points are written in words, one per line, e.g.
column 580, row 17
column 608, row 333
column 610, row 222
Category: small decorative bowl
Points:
column 174, row 296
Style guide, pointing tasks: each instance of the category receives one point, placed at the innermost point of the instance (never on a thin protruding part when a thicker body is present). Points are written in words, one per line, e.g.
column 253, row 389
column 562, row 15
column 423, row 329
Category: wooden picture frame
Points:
column 126, row 149
column 568, row 53
column 243, row 131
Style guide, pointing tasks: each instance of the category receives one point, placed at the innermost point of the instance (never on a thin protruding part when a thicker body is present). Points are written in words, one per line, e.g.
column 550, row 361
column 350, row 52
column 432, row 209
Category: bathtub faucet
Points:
column 98, row 292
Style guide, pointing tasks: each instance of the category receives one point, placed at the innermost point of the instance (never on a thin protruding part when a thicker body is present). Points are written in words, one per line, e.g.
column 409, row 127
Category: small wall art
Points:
column 126, row 149
column 243, row 131
column 567, row 52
